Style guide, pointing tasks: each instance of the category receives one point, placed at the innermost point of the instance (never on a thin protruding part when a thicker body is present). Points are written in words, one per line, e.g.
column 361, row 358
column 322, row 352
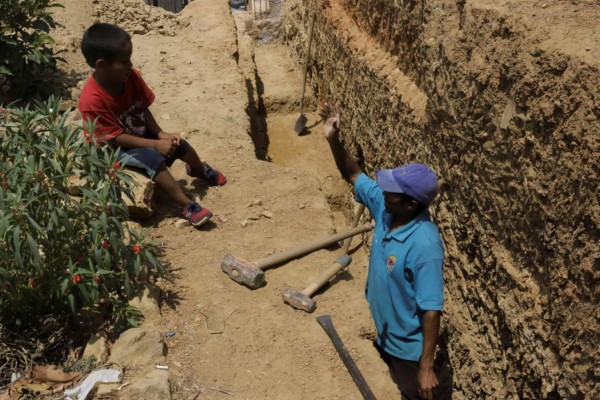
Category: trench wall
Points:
column 512, row 127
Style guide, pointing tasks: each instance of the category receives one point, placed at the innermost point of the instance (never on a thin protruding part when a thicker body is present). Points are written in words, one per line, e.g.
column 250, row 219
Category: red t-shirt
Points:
column 116, row 114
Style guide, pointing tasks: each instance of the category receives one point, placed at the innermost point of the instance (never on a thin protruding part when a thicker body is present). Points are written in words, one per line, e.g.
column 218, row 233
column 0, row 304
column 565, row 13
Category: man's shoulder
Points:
column 427, row 237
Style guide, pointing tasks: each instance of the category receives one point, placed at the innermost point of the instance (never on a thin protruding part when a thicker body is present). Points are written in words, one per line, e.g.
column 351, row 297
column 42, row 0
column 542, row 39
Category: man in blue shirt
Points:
column 404, row 284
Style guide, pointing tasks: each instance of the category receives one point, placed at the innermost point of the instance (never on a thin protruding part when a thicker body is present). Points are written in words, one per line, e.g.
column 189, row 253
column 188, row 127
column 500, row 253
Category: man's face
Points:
column 119, row 68
column 399, row 204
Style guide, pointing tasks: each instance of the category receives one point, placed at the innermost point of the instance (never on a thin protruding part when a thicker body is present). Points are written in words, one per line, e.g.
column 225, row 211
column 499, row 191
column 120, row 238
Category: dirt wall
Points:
column 502, row 99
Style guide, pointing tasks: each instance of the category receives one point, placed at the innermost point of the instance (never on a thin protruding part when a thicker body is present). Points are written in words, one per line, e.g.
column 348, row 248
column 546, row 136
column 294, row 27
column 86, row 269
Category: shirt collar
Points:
column 402, row 233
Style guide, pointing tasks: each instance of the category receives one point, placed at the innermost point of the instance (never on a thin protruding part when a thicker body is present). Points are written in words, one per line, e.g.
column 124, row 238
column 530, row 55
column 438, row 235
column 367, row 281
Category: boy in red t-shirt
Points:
column 117, row 98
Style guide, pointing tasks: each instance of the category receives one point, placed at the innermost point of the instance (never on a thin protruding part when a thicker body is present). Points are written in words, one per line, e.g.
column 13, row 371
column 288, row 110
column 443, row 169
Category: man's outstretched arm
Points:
column 427, row 379
column 348, row 167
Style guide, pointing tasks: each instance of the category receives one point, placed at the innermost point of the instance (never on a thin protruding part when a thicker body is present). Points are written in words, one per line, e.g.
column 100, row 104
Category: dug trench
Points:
column 501, row 99
column 503, row 108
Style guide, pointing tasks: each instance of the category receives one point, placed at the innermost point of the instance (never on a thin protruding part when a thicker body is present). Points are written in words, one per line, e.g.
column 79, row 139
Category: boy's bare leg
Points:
column 191, row 158
column 166, row 182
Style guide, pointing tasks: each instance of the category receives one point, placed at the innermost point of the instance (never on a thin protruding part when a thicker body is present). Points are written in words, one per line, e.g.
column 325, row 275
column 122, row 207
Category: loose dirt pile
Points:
column 136, row 17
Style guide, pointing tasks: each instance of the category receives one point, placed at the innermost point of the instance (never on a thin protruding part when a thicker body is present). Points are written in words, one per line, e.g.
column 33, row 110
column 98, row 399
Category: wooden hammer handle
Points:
column 329, row 273
column 359, row 211
column 299, row 251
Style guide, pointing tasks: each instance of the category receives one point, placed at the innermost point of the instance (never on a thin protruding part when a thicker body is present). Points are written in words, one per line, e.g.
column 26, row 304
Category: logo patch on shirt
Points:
column 391, row 260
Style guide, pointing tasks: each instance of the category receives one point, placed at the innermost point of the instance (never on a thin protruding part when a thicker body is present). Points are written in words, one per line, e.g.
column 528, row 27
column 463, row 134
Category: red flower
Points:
column 112, row 172
column 88, row 139
column 78, row 260
column 135, row 248
column 104, row 244
column 32, row 282
column 117, row 165
column 77, row 278
column 39, row 172
column 98, row 279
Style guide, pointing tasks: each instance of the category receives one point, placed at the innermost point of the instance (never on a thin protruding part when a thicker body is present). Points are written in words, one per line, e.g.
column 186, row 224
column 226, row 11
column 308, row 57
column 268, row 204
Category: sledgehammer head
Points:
column 298, row 300
column 243, row 271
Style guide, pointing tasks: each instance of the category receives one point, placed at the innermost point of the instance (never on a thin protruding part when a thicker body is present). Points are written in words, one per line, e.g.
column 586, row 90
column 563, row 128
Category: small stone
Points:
column 222, row 219
column 244, row 223
column 257, row 202
column 588, row 48
column 182, row 223
column 267, row 214
column 166, row 116
column 138, row 30
column 302, row 206
column 187, row 82
column 254, row 217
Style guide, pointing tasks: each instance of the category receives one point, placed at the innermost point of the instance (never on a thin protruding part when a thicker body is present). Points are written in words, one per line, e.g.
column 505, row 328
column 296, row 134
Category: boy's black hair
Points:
column 103, row 41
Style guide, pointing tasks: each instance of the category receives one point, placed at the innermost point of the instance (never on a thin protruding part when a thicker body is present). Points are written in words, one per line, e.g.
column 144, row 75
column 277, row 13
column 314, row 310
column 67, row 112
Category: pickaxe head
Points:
column 298, row 300
column 243, row 271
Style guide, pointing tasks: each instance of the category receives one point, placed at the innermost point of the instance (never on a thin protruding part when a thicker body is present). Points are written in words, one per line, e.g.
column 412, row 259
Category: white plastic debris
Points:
column 15, row 376
column 100, row 376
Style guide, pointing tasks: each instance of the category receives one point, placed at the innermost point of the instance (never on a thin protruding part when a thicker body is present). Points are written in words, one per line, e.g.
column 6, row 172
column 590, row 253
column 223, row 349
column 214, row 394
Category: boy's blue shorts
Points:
column 149, row 159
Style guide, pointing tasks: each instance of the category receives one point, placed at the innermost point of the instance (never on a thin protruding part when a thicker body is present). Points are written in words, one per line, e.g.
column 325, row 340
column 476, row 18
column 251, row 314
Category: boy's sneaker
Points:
column 196, row 215
column 212, row 176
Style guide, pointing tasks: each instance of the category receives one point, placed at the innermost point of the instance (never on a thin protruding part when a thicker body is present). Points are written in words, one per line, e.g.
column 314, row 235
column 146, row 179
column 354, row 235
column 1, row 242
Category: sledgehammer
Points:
column 301, row 300
column 251, row 273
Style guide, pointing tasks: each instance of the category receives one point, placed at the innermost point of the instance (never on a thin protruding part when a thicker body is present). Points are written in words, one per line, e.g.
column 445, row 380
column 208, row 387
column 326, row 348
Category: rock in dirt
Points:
column 143, row 193
column 97, row 347
column 182, row 223
column 267, row 214
column 154, row 386
column 138, row 346
column 146, row 300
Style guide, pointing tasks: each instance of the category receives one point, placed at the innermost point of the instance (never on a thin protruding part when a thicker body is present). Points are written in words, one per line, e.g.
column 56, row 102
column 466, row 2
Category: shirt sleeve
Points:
column 429, row 285
column 107, row 124
column 368, row 192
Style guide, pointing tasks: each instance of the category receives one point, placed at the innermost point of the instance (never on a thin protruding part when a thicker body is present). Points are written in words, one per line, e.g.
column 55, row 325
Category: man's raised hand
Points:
column 331, row 121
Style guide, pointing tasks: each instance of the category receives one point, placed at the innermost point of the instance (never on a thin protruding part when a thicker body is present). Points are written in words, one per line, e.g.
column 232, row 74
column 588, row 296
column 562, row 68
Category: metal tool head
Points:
column 300, row 124
column 298, row 300
column 243, row 271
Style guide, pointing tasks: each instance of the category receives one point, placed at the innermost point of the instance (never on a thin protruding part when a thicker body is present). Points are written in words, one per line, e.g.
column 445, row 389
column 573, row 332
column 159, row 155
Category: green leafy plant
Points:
column 26, row 55
column 59, row 253
column 85, row 365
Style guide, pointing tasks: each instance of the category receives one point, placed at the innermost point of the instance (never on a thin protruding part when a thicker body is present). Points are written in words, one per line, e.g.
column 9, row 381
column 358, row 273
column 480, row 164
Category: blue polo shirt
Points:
column 405, row 274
